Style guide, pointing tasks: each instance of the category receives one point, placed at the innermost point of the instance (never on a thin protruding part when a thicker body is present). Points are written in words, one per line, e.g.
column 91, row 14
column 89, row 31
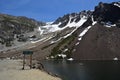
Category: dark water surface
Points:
column 84, row 70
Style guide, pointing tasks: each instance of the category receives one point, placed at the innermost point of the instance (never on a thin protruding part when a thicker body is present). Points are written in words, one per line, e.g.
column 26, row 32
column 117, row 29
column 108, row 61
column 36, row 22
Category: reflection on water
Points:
column 84, row 70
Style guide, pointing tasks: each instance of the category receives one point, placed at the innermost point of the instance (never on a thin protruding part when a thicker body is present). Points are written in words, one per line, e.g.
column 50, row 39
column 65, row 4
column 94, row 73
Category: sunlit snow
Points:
column 70, row 59
column 77, row 43
column 93, row 22
column 117, row 5
column 115, row 58
column 77, row 25
column 85, row 31
column 55, row 27
column 109, row 25
column 65, row 50
column 62, row 55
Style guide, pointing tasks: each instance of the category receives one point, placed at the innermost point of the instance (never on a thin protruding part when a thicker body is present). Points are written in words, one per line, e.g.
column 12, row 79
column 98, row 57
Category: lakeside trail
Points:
column 12, row 70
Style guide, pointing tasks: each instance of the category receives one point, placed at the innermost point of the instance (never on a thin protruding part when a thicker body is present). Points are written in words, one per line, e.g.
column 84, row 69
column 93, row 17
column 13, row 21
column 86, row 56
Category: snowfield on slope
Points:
column 55, row 27
column 73, row 24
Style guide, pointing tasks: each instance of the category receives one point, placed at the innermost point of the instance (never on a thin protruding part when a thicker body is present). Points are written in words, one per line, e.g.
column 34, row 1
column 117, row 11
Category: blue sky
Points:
column 46, row 10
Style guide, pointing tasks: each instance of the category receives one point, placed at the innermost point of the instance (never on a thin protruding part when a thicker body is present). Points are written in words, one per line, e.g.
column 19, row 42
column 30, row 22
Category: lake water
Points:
column 84, row 70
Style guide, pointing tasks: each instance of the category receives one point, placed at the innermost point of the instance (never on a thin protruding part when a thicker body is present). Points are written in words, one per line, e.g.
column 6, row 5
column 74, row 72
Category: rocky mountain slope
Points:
column 96, row 39
column 102, row 41
column 14, row 28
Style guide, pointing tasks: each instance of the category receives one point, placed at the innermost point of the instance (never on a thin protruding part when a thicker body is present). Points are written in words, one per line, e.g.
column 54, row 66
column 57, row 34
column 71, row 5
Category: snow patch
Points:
column 41, row 31
column 70, row 59
column 84, row 32
column 65, row 50
column 109, row 25
column 74, row 50
column 52, row 42
column 80, row 38
column 93, row 22
column 115, row 58
column 52, row 27
column 117, row 5
column 62, row 55
column 77, row 43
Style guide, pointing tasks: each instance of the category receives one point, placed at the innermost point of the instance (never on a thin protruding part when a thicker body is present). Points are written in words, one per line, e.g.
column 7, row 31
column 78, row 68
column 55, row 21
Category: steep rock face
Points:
column 105, row 12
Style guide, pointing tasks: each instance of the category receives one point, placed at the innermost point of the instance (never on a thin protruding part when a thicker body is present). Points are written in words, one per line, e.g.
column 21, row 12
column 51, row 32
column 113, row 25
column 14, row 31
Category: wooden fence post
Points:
column 23, row 62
